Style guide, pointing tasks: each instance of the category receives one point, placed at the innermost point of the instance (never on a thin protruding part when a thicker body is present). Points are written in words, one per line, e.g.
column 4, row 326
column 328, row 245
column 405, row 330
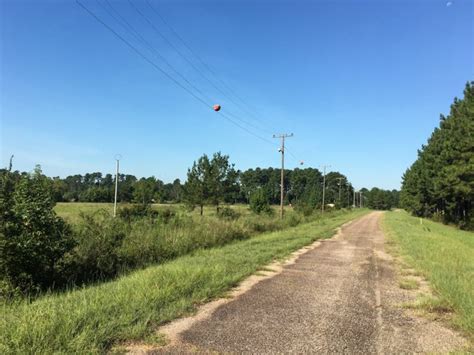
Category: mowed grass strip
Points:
column 444, row 255
column 92, row 319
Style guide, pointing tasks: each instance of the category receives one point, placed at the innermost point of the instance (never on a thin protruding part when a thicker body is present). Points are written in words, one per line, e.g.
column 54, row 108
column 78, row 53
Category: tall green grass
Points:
column 71, row 211
column 106, row 247
column 92, row 319
column 444, row 255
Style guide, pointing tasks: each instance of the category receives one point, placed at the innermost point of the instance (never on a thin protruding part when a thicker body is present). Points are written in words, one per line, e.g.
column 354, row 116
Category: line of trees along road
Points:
column 440, row 183
column 378, row 199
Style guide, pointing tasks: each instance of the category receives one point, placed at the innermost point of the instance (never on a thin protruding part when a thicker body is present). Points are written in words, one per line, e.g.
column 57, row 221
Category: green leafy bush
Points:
column 98, row 239
column 33, row 239
column 259, row 202
column 304, row 208
column 228, row 213
column 137, row 211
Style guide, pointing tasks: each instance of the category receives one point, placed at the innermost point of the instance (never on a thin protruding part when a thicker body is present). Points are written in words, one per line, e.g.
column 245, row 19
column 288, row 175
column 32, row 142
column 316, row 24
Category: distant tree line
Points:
column 379, row 199
column 210, row 181
column 440, row 183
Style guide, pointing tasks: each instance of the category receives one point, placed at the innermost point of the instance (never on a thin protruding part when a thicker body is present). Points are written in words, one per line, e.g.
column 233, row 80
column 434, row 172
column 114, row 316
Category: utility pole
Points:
column 354, row 199
column 360, row 197
column 11, row 163
column 117, row 160
column 282, row 183
column 340, row 184
column 324, row 185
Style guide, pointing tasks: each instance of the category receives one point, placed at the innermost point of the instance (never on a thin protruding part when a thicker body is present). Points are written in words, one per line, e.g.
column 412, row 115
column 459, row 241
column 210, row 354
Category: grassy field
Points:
column 92, row 319
column 71, row 211
column 442, row 254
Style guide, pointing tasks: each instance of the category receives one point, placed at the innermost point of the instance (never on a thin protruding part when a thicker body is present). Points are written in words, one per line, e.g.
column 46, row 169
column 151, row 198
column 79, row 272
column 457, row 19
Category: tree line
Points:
column 214, row 181
column 379, row 199
column 210, row 181
column 440, row 183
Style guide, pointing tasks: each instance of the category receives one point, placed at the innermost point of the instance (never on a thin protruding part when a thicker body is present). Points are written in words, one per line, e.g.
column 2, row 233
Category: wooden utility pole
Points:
column 117, row 160
column 282, row 182
column 340, row 184
column 324, row 185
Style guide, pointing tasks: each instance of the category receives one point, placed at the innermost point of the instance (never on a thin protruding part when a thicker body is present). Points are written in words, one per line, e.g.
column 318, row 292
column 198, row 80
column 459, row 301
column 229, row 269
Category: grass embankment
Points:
column 444, row 256
column 92, row 319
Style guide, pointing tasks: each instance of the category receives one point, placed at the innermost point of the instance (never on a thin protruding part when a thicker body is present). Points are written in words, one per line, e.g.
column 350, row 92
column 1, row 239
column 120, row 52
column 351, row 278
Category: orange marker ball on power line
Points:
column 217, row 107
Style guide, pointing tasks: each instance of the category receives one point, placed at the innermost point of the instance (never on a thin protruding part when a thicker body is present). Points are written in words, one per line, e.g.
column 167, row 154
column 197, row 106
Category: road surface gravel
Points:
column 340, row 297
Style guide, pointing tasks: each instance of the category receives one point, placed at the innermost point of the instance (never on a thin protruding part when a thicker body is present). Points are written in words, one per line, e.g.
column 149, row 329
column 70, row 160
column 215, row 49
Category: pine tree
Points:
column 441, row 181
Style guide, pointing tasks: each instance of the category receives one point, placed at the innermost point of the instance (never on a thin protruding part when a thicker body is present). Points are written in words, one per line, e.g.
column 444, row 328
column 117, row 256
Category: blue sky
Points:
column 360, row 83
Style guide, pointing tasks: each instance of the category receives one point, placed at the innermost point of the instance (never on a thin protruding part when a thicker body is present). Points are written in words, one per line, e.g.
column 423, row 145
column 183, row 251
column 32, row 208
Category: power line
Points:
column 245, row 129
column 130, row 29
column 131, row 46
column 249, row 123
column 293, row 155
column 144, row 57
column 205, row 65
column 142, row 15
column 150, row 47
column 182, row 55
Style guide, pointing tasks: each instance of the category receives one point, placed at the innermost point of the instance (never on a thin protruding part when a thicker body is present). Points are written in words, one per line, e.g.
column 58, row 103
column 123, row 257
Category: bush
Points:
column 32, row 238
column 228, row 213
column 293, row 220
column 304, row 208
column 166, row 215
column 259, row 202
column 98, row 238
column 137, row 211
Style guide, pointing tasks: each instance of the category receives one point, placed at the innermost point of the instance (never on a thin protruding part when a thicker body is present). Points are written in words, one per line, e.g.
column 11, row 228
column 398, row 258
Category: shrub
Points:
column 293, row 220
column 96, row 255
column 33, row 238
column 259, row 202
column 166, row 215
column 228, row 213
column 304, row 208
column 137, row 211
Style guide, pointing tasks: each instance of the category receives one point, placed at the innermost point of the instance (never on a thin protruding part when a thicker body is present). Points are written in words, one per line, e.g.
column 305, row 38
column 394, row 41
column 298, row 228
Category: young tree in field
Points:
column 259, row 202
column 176, row 191
column 210, row 181
column 195, row 188
column 144, row 190
column 222, row 179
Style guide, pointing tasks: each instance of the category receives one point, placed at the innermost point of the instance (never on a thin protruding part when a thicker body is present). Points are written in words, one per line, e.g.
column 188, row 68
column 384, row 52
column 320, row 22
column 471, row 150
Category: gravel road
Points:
column 340, row 297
